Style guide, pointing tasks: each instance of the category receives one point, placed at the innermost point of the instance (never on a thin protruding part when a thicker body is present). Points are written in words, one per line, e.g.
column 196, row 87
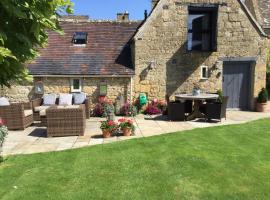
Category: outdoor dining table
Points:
column 197, row 99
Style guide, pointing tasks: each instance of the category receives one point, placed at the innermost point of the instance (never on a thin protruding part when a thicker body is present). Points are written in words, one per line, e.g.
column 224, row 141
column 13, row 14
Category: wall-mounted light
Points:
column 152, row 64
column 39, row 87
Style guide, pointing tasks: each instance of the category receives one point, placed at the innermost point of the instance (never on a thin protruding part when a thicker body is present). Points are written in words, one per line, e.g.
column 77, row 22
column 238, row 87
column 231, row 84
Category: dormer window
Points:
column 79, row 38
column 202, row 28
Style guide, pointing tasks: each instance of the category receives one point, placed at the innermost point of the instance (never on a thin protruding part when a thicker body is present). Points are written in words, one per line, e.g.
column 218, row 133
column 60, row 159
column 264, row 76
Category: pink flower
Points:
column 1, row 122
column 130, row 121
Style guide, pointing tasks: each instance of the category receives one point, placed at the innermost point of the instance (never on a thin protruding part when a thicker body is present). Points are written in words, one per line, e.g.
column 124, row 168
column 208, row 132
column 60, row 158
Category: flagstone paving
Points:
column 34, row 140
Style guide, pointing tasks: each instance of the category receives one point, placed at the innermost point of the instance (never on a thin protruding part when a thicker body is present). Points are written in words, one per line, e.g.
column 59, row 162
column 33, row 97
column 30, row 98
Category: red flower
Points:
column 122, row 120
column 111, row 123
column 130, row 121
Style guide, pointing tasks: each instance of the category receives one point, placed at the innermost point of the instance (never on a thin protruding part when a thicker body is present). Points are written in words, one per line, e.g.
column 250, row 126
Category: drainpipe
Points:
column 131, row 89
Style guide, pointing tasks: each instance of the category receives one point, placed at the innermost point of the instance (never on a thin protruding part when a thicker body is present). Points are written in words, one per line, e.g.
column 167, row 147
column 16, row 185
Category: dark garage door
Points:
column 237, row 84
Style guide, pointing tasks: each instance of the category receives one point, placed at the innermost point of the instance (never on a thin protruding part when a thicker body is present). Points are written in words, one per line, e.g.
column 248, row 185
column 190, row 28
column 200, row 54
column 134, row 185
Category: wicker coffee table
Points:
column 65, row 120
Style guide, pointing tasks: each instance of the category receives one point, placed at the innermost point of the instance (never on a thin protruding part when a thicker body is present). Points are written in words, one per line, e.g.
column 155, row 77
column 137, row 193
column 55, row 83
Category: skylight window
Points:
column 80, row 38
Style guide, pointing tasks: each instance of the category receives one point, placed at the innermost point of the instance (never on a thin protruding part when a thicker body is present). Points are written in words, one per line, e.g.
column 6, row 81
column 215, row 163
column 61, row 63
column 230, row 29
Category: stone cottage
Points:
column 218, row 44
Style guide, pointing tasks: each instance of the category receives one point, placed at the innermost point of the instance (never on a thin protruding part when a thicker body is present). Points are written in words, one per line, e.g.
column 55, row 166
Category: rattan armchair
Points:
column 17, row 116
column 66, row 121
column 216, row 110
column 176, row 111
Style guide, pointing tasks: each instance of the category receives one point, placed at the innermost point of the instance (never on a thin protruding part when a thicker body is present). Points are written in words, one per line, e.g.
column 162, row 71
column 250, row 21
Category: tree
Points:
column 23, row 29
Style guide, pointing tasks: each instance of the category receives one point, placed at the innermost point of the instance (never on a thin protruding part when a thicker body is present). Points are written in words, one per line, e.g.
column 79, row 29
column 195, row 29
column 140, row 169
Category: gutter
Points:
column 86, row 76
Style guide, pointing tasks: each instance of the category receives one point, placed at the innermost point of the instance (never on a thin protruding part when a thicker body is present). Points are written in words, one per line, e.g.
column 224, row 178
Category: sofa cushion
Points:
column 28, row 113
column 65, row 99
column 68, row 107
column 79, row 98
column 39, row 108
column 42, row 113
column 4, row 101
column 49, row 99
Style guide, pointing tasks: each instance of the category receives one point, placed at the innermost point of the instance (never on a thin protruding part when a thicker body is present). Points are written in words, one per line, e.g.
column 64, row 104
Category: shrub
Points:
column 152, row 110
column 263, row 96
column 103, row 108
column 220, row 96
column 129, row 110
column 3, row 134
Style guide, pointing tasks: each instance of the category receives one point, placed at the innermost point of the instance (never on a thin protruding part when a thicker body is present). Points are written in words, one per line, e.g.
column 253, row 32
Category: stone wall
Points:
column 24, row 92
column 163, row 64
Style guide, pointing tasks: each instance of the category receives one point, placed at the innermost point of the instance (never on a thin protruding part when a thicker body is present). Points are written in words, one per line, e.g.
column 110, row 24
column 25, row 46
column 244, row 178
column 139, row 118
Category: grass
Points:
column 227, row 162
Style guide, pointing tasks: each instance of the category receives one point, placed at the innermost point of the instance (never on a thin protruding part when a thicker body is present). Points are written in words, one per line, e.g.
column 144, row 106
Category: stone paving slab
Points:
column 34, row 140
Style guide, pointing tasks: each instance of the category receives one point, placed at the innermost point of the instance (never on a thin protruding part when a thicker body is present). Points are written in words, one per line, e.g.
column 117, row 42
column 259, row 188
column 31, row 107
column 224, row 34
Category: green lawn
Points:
column 228, row 162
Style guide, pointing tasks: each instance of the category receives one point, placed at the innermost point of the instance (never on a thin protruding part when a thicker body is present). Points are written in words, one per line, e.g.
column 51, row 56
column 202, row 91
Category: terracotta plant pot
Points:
column 127, row 131
column 106, row 133
column 261, row 107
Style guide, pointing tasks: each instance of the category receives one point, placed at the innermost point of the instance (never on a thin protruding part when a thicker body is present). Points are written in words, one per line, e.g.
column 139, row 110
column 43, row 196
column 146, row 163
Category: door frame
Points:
column 251, row 64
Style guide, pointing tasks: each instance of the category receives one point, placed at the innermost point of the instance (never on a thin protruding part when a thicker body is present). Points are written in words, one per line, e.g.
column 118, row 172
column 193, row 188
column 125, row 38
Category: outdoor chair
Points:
column 17, row 116
column 188, row 106
column 216, row 110
column 176, row 111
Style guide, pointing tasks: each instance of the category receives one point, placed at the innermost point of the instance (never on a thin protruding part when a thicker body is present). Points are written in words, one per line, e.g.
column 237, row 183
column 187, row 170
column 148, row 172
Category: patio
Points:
column 34, row 140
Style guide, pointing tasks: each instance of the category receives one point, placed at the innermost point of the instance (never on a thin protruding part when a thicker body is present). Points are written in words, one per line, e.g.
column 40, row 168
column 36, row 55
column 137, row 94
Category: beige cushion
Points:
column 39, row 108
column 42, row 113
column 68, row 107
column 28, row 113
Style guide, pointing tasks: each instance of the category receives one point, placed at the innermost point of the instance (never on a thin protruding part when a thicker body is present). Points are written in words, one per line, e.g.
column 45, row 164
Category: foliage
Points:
column 109, row 125
column 220, row 96
column 126, row 123
column 103, row 108
column 152, row 110
column 129, row 110
column 263, row 96
column 23, row 29
column 3, row 132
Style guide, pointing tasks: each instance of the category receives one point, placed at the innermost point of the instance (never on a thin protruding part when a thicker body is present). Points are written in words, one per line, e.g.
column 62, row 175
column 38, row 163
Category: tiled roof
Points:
column 106, row 53
column 264, row 9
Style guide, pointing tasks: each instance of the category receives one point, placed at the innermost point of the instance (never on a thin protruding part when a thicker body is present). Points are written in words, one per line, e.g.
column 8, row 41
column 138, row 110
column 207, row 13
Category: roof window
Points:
column 79, row 38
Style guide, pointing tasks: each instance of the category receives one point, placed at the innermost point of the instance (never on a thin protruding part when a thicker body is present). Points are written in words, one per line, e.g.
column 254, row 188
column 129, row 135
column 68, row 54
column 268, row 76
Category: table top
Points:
column 197, row 97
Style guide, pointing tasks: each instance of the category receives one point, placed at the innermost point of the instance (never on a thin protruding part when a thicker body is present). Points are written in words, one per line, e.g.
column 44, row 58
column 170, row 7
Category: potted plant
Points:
column 127, row 126
column 108, row 128
column 3, row 134
column 262, row 100
column 196, row 89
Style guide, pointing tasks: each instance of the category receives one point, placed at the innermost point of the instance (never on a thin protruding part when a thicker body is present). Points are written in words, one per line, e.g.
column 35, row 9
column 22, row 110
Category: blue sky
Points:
column 107, row 9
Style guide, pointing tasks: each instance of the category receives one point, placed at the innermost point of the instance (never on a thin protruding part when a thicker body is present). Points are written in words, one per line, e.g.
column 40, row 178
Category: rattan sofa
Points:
column 17, row 116
column 65, row 121
column 38, row 103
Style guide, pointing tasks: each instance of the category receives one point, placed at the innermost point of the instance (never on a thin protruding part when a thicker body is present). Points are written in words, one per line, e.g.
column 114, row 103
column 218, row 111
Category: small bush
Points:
column 152, row 110
column 263, row 96
column 129, row 110
column 103, row 108
column 220, row 96
column 3, row 134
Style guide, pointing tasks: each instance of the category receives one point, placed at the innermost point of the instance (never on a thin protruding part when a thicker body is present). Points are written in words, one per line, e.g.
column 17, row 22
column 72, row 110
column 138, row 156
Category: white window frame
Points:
column 72, row 86
column 207, row 72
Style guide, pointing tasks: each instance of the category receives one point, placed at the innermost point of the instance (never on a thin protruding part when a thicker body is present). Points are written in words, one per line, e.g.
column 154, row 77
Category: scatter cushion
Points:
column 42, row 113
column 65, row 99
column 39, row 108
column 28, row 113
column 49, row 99
column 79, row 98
column 4, row 101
